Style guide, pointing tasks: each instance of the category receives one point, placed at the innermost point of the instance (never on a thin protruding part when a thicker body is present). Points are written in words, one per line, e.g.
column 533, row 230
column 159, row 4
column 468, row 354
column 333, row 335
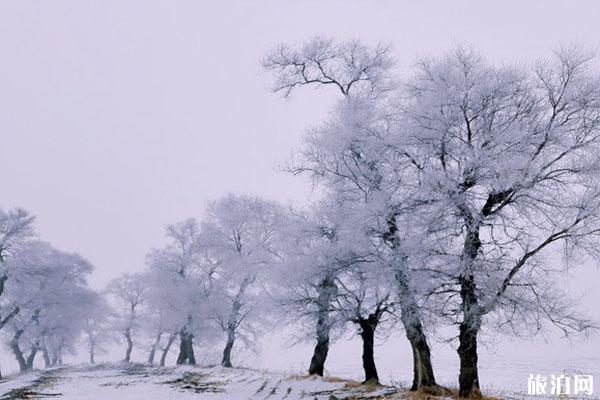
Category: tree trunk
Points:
column 327, row 290
column 367, row 333
column 3, row 279
column 129, row 345
column 231, row 328
column 154, row 347
column 423, row 376
column 14, row 346
column 317, row 362
column 46, row 356
column 234, row 321
column 226, row 361
column 468, row 379
column 186, row 349
column 467, row 350
column 59, row 352
column 422, row 368
column 92, row 353
column 165, row 352
column 183, row 348
column 191, row 355
column 31, row 358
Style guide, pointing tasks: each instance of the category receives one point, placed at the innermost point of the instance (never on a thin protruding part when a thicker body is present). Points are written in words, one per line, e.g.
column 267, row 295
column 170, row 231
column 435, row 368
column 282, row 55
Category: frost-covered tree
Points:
column 365, row 299
column 490, row 168
column 238, row 233
column 129, row 295
column 182, row 277
column 161, row 321
column 305, row 281
column 506, row 159
column 98, row 330
column 349, row 157
column 331, row 280
column 15, row 227
column 348, row 66
column 155, row 325
column 52, row 294
column 63, row 325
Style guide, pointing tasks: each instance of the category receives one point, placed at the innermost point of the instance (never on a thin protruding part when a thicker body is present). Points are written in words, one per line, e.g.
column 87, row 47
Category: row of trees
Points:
column 210, row 281
column 459, row 182
column 443, row 200
column 249, row 265
column 44, row 295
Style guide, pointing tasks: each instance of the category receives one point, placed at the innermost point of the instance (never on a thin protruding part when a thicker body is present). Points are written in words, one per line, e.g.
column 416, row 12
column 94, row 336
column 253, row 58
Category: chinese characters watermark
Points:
column 560, row 385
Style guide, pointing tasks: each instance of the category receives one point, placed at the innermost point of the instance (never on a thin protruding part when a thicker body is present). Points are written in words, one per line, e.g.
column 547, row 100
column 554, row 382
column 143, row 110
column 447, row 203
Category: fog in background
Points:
column 117, row 117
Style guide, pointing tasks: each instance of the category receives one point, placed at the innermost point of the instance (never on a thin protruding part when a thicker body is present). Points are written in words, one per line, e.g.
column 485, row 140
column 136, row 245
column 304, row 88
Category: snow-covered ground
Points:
column 136, row 381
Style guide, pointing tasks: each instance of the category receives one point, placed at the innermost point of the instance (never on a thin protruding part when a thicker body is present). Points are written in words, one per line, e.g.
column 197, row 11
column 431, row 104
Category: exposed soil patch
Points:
column 195, row 382
column 38, row 389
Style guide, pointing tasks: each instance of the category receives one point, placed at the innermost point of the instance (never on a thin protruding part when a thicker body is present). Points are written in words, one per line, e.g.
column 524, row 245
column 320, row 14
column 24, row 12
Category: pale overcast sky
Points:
column 117, row 117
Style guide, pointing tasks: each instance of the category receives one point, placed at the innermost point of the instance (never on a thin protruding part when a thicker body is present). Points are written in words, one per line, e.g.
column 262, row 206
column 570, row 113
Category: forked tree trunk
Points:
column 14, row 346
column 367, row 333
column 154, row 347
column 423, row 376
column 129, row 345
column 327, row 290
column 186, row 348
column 165, row 351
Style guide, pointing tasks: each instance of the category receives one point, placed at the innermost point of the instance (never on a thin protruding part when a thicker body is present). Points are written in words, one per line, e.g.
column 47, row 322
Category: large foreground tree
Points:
column 349, row 158
column 507, row 159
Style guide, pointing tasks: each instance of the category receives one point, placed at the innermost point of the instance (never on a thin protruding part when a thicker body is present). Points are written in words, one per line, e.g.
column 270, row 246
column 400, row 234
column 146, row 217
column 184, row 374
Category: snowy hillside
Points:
column 136, row 381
